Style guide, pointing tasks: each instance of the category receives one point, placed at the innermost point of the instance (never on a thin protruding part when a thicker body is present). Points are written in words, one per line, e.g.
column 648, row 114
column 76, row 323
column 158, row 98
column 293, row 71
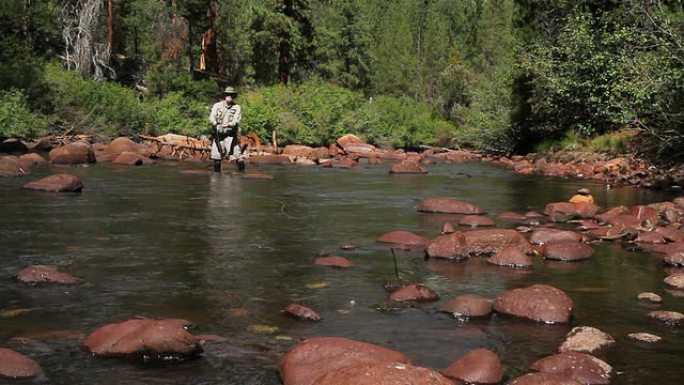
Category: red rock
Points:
column 334, row 261
column 37, row 274
column 674, row 259
column 73, row 153
column 544, row 236
column 448, row 206
column 346, row 162
column 650, row 237
column 582, row 210
column 448, row 228
column 353, row 144
column 477, row 242
column 540, row 303
column 408, row 167
column 533, row 214
column 56, row 183
column 128, row 158
column 624, row 221
column 138, row 337
column 10, row 166
column 586, row 339
column 544, row 379
column 27, row 161
column 581, row 367
column 268, row 159
column 315, row 357
column 511, row 216
column 613, row 212
column 302, row 312
column 17, row 366
column 476, row 221
column 467, row 305
column 511, row 256
column 121, row 145
column 587, row 224
column 479, row 366
column 320, row 152
column 404, row 239
column 382, row 374
column 644, row 213
column 568, row 251
column 298, row 151
column 415, row 292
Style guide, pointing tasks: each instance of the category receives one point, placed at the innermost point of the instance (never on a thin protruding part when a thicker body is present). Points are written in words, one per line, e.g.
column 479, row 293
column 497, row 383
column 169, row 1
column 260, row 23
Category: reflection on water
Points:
column 229, row 253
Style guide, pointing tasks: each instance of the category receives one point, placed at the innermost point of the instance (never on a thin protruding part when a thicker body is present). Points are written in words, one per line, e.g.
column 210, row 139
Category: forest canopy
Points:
column 495, row 75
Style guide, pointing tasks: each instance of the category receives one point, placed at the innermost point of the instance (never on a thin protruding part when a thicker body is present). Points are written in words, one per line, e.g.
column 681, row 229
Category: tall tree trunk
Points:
column 209, row 58
column 285, row 47
column 110, row 24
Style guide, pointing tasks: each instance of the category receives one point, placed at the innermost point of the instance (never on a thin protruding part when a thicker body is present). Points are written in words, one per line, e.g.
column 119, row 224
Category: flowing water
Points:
column 155, row 242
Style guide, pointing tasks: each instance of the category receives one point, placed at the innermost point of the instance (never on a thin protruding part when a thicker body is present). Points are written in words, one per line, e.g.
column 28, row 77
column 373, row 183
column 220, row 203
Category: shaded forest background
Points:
column 496, row 75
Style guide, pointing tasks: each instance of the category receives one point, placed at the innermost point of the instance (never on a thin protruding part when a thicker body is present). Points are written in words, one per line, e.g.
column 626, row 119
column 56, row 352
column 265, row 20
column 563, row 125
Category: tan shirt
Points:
column 225, row 117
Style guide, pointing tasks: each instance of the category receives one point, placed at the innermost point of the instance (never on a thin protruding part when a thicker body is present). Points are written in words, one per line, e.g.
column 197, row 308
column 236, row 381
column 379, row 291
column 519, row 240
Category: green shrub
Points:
column 616, row 142
column 165, row 77
column 16, row 118
column 179, row 114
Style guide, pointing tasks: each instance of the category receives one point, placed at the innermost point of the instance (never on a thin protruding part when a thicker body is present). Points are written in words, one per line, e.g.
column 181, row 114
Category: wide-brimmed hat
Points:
column 584, row 191
column 230, row 91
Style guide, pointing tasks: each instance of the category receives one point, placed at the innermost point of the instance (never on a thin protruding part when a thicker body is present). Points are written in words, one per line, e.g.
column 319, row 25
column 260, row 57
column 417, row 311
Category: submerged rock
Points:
column 511, row 256
column 540, row 303
column 56, row 183
column 650, row 297
column 586, row 339
column 302, row 312
column 334, row 261
column 675, row 280
column 544, row 236
column 644, row 337
column 467, row 305
column 568, row 251
column 449, row 206
column 669, row 317
column 477, row 242
column 476, row 221
column 315, row 357
column 39, row 274
column 382, row 374
column 479, row 366
column 17, row 366
column 165, row 339
column 10, row 166
column 581, row 367
column 415, row 292
column 404, row 239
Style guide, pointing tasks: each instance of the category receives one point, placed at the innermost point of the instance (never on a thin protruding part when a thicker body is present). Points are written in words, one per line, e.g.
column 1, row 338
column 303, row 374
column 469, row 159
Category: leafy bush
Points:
column 180, row 115
column 16, row 119
column 164, row 77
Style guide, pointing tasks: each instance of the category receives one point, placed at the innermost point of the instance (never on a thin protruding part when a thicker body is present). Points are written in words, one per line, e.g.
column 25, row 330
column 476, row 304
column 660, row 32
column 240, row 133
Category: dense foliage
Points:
column 498, row 75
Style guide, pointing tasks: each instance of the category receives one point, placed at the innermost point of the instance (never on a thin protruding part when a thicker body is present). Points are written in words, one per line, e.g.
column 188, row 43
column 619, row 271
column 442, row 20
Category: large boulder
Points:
column 13, row 146
column 10, row 166
column 542, row 303
column 298, row 151
column 407, row 167
column 129, row 158
column 56, row 183
column 144, row 338
column 544, row 379
column 511, row 256
column 404, row 239
column 568, row 251
column 29, row 160
column 269, row 159
column 73, row 153
column 461, row 245
column 581, row 367
column 558, row 210
column 16, row 366
column 586, row 339
column 415, row 293
column 39, row 274
column 352, row 144
column 467, row 305
column 479, row 366
column 315, row 357
column 121, row 145
column 449, row 206
column 382, row 374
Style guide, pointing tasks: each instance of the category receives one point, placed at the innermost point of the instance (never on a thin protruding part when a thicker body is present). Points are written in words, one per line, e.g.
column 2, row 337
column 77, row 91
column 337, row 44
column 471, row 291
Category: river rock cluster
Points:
column 564, row 233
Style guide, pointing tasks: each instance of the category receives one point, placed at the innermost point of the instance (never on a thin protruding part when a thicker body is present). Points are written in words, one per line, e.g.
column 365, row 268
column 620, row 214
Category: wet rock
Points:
column 476, row 221
column 352, row 144
column 302, row 312
column 586, row 339
column 448, row 228
column 144, row 338
column 298, row 151
column 650, row 297
column 17, row 366
column 479, row 366
column 408, row 167
column 38, row 274
column 511, row 216
column 568, row 251
column 10, row 166
column 613, row 212
column 511, row 256
column 582, row 367
column 415, row 293
column 586, row 224
column 467, row 305
column 644, row 337
column 670, row 234
column 346, row 162
column 643, row 213
column 128, row 158
column 268, row 159
column 320, row 152
column 540, row 303
column 121, row 145
column 675, row 280
column 334, row 261
column 315, row 357
column 533, row 214
column 571, row 210
column 624, row 221
column 382, row 374
column 544, row 236
column 675, row 259
column 544, row 379
column 651, row 237
column 477, row 242
column 27, row 161
column 449, row 206
column 669, row 317
column 73, row 153
column 404, row 239
column 304, row 162
column 13, row 146
column 56, row 183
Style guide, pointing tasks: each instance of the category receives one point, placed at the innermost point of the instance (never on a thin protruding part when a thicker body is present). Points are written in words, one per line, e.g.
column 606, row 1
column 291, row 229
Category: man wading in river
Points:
column 225, row 125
